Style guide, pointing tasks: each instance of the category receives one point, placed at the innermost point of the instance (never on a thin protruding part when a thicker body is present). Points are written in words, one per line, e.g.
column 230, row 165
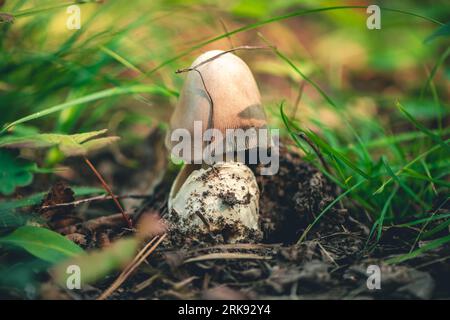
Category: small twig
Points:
column 227, row 256
column 141, row 286
column 92, row 199
column 211, row 114
column 108, row 189
column 104, row 221
column 140, row 257
column 327, row 254
column 112, row 221
column 221, row 54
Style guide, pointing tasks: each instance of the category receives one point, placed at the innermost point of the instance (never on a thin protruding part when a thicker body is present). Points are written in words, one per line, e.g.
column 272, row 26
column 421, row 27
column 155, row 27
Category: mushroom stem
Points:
column 184, row 173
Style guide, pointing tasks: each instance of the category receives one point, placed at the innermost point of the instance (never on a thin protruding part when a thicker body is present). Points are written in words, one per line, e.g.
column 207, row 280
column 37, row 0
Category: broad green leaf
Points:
column 42, row 243
column 69, row 145
column 14, row 172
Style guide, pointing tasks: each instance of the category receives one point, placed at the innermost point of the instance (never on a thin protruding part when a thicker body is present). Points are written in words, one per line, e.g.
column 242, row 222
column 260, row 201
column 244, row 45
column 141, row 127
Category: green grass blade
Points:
column 430, row 246
column 409, row 164
column 422, row 128
column 327, row 99
column 326, row 147
column 401, row 183
column 92, row 97
column 33, row 11
column 383, row 212
column 121, row 59
column 434, row 70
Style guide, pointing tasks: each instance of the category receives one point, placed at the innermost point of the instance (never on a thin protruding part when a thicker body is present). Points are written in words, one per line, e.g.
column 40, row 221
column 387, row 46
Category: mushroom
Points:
column 220, row 93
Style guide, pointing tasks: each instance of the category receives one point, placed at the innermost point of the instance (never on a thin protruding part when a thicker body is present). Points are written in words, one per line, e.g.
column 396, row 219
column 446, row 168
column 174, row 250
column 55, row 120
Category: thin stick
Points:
column 92, row 199
column 111, row 221
column 211, row 114
column 108, row 189
column 131, row 267
column 139, row 255
column 221, row 54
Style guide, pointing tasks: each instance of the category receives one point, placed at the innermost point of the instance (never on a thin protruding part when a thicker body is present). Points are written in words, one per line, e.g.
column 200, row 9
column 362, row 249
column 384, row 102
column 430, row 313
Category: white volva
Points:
column 222, row 197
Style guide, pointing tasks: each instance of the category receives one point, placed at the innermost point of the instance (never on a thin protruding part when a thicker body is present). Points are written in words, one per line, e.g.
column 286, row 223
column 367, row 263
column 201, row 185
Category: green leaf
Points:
column 14, row 172
column 69, row 145
column 42, row 243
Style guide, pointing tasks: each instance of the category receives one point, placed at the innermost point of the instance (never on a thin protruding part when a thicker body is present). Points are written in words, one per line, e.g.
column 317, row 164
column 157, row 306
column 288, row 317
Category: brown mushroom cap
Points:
column 236, row 101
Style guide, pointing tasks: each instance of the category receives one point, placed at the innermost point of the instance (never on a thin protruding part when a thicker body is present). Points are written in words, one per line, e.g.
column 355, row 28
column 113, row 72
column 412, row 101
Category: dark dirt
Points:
column 291, row 199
